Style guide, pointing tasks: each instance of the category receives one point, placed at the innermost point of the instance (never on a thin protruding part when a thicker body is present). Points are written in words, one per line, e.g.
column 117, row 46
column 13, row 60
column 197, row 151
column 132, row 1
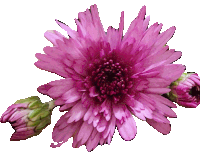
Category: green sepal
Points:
column 35, row 104
column 43, row 123
column 44, row 114
column 28, row 100
column 33, row 123
column 34, row 113
column 45, row 106
column 172, row 96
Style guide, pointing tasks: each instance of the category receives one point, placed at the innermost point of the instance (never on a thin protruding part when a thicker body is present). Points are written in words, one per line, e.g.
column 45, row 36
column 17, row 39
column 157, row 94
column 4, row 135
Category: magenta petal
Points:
column 71, row 95
column 160, row 127
column 101, row 125
column 96, row 121
column 128, row 129
column 165, row 36
column 84, row 132
column 106, row 109
column 5, row 118
column 18, row 115
column 20, row 126
column 59, row 102
column 71, row 32
column 121, row 26
column 93, row 91
column 93, row 142
column 52, row 36
column 157, row 90
column 76, row 113
column 166, row 110
column 88, row 114
column 67, row 106
column 119, row 111
column 162, row 99
column 110, row 129
column 197, row 81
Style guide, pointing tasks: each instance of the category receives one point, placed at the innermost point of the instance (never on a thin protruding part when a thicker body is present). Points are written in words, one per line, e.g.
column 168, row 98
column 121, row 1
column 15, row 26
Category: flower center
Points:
column 195, row 91
column 110, row 79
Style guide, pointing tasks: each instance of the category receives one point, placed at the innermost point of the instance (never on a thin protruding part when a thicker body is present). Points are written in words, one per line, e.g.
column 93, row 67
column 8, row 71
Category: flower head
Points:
column 186, row 90
column 108, row 77
column 28, row 117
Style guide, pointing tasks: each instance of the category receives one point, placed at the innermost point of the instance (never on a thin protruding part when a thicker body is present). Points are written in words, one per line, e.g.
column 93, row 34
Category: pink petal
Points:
column 80, row 67
column 121, row 26
column 76, row 113
column 162, row 99
column 106, row 109
column 86, row 100
column 174, row 57
column 71, row 95
column 57, row 91
column 84, row 132
column 158, row 82
column 160, row 118
column 140, row 115
column 197, row 81
column 52, row 36
column 67, row 106
column 96, row 120
column 101, row 125
column 54, row 53
column 128, row 129
column 25, row 129
column 165, row 36
column 59, row 102
column 160, row 127
column 119, row 111
column 88, row 114
column 93, row 142
column 17, row 115
column 157, row 90
column 71, row 32
column 54, row 67
column 110, row 128
column 93, row 91
column 166, row 110
column 170, row 72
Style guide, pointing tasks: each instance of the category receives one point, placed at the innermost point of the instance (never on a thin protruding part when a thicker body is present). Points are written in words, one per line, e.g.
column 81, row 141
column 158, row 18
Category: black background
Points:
column 23, row 36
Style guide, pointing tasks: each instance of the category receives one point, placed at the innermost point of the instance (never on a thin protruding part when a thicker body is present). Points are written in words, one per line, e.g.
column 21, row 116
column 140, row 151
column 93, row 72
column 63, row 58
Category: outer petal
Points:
column 53, row 36
column 56, row 88
column 90, row 25
column 71, row 32
column 163, row 128
column 85, row 132
column 127, row 129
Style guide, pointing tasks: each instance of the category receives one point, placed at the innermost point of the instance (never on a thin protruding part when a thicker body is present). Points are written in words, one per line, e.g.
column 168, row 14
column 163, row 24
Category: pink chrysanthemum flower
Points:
column 108, row 77
column 186, row 90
